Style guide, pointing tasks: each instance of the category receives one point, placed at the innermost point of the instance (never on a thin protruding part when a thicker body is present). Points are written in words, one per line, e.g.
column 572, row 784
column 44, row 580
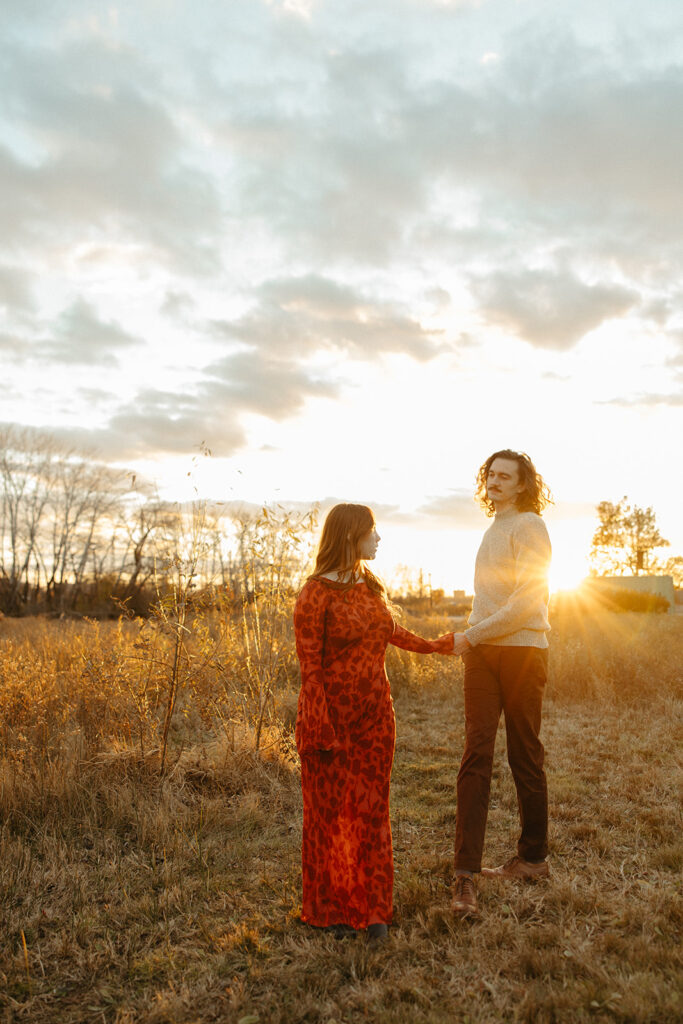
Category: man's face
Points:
column 502, row 483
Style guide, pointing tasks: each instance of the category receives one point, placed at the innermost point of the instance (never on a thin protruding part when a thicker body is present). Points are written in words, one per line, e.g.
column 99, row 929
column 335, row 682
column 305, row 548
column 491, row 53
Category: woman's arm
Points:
column 314, row 730
column 412, row 642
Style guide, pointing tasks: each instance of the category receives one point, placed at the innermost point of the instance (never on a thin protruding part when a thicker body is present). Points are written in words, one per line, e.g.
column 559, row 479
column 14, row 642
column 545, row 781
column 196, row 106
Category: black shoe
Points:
column 377, row 932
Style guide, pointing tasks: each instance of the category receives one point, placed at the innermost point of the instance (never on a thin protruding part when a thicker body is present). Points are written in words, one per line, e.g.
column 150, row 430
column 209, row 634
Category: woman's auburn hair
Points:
column 339, row 546
column 536, row 494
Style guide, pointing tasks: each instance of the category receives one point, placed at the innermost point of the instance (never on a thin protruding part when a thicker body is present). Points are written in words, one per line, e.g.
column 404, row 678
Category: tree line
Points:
column 79, row 536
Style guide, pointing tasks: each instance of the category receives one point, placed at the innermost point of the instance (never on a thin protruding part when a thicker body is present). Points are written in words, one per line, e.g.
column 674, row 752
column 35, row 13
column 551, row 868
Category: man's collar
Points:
column 505, row 513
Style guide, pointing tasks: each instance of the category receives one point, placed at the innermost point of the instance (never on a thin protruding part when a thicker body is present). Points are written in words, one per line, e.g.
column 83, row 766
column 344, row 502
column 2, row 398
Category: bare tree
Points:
column 28, row 464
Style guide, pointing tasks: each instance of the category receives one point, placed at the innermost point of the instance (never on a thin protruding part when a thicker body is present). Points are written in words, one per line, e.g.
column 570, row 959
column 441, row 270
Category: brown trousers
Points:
column 512, row 680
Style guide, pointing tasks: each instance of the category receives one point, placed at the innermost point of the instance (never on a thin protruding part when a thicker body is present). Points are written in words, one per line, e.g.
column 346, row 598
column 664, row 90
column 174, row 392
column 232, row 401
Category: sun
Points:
column 568, row 569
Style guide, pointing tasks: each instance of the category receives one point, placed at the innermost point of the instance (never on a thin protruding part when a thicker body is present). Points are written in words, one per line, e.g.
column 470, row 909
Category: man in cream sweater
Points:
column 505, row 652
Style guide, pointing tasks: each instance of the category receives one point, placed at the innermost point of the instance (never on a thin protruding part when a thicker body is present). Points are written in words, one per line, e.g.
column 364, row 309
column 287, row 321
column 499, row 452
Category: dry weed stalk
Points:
column 273, row 563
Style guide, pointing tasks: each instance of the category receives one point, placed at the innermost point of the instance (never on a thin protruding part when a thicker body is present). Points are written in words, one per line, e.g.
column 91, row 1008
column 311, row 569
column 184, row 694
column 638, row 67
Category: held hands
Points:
column 460, row 643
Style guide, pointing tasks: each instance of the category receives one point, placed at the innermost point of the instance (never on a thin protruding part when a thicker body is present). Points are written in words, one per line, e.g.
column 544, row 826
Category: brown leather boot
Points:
column 464, row 902
column 518, row 868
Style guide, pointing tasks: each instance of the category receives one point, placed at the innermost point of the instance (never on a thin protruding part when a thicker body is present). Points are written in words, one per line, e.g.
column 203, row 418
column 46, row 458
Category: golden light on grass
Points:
column 146, row 896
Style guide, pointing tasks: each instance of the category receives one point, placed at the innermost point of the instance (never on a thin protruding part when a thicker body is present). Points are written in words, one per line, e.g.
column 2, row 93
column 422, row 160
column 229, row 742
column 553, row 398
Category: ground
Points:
column 125, row 898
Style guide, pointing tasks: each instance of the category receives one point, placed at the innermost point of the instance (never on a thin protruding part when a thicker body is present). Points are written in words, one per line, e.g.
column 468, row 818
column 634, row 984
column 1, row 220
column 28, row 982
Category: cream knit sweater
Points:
column 511, row 583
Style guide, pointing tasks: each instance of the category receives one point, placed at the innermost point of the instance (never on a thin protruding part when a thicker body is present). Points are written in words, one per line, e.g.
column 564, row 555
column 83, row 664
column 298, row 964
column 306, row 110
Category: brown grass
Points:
column 126, row 896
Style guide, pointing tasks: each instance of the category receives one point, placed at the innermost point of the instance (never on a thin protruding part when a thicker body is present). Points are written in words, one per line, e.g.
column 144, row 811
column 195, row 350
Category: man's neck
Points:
column 507, row 508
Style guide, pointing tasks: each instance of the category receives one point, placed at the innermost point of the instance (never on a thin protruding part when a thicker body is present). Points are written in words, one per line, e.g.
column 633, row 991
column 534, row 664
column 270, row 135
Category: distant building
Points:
column 662, row 586
column 459, row 595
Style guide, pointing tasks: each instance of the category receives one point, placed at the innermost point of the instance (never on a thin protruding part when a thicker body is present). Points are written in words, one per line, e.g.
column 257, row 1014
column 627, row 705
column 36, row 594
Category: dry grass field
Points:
column 133, row 895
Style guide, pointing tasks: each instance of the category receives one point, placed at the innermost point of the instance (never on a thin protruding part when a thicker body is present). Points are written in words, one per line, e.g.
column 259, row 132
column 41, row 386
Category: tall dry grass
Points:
column 130, row 893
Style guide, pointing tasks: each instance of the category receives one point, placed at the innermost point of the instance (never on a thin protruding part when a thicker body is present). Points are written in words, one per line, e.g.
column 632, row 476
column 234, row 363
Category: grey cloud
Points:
column 657, row 310
column 303, row 314
column 139, row 433
column 321, row 147
column 19, row 203
column 178, row 422
column 108, row 156
column 80, row 336
column 260, row 382
column 457, row 508
column 245, row 382
column 550, row 309
column 336, row 147
column 159, row 422
column 341, row 177
column 16, row 289
column 13, row 345
column 556, row 144
column 96, row 396
column 177, row 305
column 564, row 134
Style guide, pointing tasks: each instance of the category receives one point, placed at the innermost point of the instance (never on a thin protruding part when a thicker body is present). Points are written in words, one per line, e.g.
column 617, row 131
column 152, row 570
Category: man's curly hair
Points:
column 536, row 494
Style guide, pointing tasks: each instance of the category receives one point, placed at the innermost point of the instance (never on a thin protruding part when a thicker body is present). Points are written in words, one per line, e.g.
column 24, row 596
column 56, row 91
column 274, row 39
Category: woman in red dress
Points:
column 345, row 727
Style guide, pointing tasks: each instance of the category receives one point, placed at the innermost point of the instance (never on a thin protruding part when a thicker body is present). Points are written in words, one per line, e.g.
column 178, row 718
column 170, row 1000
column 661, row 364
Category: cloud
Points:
column 555, row 141
column 279, row 161
column 78, row 336
column 16, row 289
column 91, row 151
column 256, row 381
column 81, row 336
column 177, row 305
column 302, row 315
column 10, row 343
column 177, row 422
column 457, row 508
column 672, row 399
column 159, row 422
column 550, row 309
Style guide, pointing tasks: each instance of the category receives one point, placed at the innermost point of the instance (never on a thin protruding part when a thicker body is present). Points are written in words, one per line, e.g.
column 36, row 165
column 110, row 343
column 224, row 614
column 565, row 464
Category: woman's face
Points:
column 367, row 544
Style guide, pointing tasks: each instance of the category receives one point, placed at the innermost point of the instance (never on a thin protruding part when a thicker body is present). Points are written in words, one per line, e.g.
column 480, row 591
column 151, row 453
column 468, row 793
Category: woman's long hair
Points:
column 536, row 494
column 339, row 547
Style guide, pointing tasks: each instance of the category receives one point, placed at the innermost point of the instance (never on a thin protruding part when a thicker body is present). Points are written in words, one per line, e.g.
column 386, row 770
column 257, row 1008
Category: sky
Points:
column 352, row 248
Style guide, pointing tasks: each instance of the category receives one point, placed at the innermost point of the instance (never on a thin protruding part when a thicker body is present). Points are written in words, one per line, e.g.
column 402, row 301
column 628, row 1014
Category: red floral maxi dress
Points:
column 345, row 734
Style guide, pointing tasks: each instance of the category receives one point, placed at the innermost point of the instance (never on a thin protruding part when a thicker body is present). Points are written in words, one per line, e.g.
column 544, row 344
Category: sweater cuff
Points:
column 472, row 635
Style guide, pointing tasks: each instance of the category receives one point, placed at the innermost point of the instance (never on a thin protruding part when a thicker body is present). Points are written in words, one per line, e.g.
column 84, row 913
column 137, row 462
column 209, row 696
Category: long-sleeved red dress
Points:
column 345, row 734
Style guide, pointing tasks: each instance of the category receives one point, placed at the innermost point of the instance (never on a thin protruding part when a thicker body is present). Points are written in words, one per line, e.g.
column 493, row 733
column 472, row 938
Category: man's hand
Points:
column 460, row 643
